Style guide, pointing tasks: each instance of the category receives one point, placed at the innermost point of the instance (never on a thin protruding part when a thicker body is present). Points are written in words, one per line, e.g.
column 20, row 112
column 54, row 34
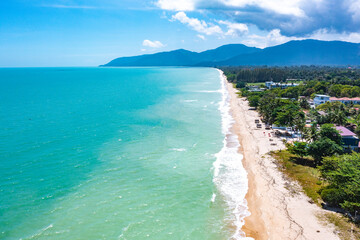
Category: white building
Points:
column 320, row 99
column 272, row 84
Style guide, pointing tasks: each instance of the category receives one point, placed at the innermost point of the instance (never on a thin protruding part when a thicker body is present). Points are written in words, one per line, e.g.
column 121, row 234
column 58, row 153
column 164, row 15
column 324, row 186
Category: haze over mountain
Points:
column 303, row 52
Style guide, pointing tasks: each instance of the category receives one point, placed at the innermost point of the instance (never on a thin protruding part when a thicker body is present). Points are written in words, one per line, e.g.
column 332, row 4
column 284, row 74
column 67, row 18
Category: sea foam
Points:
column 230, row 176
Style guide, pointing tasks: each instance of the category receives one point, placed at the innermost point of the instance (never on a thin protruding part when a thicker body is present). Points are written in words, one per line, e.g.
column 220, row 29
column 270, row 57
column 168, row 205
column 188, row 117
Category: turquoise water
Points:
column 111, row 153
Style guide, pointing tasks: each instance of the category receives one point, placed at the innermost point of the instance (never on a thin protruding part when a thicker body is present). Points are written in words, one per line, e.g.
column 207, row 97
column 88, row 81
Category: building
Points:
column 350, row 142
column 255, row 88
column 320, row 99
column 345, row 100
column 272, row 84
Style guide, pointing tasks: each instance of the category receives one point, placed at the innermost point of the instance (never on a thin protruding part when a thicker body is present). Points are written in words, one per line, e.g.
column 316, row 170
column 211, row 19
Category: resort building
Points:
column 320, row 99
column 255, row 88
column 350, row 141
column 345, row 100
column 272, row 84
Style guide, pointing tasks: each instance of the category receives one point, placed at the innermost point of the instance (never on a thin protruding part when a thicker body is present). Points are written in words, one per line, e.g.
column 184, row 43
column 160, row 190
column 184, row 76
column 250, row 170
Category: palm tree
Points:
column 311, row 134
column 338, row 117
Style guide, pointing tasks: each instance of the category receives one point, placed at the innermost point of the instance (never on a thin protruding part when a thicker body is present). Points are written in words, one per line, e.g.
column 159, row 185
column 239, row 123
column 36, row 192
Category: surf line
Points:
column 230, row 177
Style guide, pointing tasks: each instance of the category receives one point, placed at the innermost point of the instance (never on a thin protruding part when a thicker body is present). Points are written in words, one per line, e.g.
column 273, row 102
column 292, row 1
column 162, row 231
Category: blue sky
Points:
column 93, row 32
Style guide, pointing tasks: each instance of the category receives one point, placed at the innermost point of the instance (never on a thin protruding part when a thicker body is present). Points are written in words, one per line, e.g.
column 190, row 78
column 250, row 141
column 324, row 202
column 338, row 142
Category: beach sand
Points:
column 279, row 209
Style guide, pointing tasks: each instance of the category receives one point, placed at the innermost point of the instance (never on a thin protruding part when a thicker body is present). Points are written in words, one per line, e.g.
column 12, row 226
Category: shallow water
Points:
column 117, row 153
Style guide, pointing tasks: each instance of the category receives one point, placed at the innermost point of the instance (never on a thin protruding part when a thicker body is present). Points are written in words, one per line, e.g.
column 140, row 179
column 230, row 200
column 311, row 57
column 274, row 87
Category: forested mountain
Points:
column 183, row 57
column 304, row 52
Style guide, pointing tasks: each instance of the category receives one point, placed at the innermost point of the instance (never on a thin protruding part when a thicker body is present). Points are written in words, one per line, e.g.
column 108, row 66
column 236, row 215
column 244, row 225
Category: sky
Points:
column 51, row 33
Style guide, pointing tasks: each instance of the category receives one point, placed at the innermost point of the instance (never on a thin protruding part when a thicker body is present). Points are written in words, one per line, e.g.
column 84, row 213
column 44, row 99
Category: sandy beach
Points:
column 279, row 209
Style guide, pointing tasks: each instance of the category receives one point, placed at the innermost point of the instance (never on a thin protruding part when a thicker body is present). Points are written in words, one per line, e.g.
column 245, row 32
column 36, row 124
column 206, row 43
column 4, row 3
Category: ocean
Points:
column 118, row 153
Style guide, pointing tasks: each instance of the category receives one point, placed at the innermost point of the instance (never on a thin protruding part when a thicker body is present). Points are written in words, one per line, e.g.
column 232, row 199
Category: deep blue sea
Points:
column 118, row 153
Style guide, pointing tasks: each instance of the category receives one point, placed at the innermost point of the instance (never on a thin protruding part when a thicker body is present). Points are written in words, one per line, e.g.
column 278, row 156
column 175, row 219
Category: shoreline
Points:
column 279, row 209
column 230, row 176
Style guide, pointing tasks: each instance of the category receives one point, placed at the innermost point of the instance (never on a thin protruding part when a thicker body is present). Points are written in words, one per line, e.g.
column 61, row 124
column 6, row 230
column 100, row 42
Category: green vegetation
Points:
column 322, row 148
column 280, row 111
column 310, row 178
column 336, row 82
column 317, row 160
column 301, row 170
column 342, row 173
column 332, row 75
column 254, row 100
column 344, row 227
column 260, row 84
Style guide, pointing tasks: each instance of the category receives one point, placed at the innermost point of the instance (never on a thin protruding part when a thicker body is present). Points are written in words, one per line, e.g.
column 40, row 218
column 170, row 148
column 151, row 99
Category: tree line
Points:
column 334, row 75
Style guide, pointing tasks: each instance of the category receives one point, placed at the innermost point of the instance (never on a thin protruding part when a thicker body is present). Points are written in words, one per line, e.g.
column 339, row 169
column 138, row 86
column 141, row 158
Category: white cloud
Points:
column 235, row 29
column 354, row 8
column 326, row 35
column 287, row 7
column 152, row 44
column 197, row 25
column 176, row 5
column 273, row 21
column 274, row 37
column 292, row 17
column 201, row 36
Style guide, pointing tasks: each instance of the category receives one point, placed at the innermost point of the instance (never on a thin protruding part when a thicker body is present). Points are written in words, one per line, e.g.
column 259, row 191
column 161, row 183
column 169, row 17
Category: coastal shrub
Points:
column 298, row 148
column 332, row 196
column 351, row 206
column 343, row 174
column 254, row 100
column 244, row 92
column 322, row 148
column 328, row 131
column 288, row 114
column 240, row 85
column 306, row 175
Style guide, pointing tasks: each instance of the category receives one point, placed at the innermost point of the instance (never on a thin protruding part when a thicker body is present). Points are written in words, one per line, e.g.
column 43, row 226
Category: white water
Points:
column 230, row 176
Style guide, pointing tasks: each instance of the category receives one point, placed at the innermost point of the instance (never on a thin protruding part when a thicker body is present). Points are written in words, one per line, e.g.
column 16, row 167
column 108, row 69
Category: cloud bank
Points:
column 197, row 25
column 293, row 18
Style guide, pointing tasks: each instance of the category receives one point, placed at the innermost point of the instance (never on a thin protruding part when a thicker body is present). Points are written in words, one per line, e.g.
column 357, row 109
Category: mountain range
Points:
column 300, row 52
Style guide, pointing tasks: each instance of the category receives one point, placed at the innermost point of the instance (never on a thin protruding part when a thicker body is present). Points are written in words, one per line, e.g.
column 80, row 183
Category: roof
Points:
column 344, row 132
column 344, row 99
column 322, row 113
column 321, row 95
